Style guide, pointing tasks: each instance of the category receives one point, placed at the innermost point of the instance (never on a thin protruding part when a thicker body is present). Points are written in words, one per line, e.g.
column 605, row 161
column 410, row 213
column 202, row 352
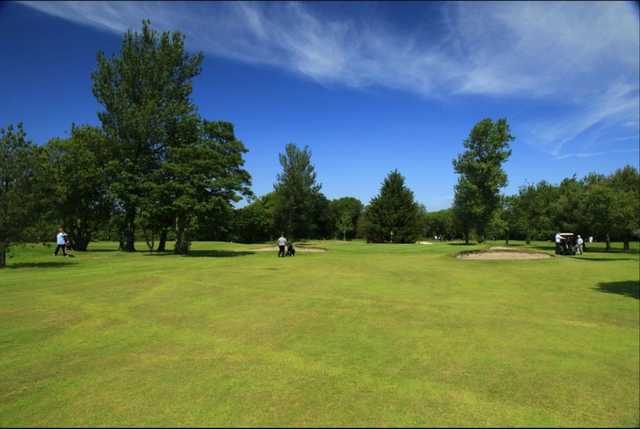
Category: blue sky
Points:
column 369, row 87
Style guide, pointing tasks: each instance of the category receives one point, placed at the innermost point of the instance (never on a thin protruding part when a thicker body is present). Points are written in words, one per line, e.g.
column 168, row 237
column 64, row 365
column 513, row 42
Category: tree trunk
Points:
column 127, row 241
column 466, row 237
column 182, row 237
column 150, row 239
column 80, row 240
column 3, row 255
column 344, row 235
column 625, row 242
column 81, row 244
column 162, row 241
column 608, row 243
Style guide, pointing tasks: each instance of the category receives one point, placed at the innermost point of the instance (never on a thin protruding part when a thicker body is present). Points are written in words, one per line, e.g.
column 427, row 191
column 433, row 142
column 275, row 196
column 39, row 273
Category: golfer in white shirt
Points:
column 558, row 243
column 61, row 242
column 282, row 242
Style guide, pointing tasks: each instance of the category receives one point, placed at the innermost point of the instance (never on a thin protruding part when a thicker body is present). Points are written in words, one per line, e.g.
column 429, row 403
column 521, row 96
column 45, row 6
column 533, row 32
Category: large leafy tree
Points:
column 81, row 202
column 144, row 89
column 204, row 174
column 534, row 210
column 599, row 207
column 297, row 197
column 254, row 222
column 24, row 187
column 567, row 206
column 345, row 213
column 323, row 225
column 393, row 215
column 481, row 173
column 625, row 183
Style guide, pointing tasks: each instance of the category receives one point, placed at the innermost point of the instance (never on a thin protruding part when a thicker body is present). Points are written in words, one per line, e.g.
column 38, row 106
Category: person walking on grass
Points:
column 61, row 242
column 282, row 242
column 579, row 244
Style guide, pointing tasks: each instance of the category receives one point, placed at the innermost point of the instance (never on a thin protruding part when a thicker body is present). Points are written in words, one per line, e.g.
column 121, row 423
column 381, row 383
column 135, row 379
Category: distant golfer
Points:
column 282, row 242
column 61, row 242
column 291, row 251
column 579, row 244
column 558, row 244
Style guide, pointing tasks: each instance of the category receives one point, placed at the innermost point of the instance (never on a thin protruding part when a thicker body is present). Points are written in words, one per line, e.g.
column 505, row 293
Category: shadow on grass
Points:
column 462, row 244
column 587, row 258
column 206, row 254
column 629, row 288
column 594, row 250
column 19, row 265
column 100, row 250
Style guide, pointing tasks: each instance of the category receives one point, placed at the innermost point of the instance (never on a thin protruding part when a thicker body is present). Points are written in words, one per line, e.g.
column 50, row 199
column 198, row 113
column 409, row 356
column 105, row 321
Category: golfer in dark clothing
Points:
column 61, row 242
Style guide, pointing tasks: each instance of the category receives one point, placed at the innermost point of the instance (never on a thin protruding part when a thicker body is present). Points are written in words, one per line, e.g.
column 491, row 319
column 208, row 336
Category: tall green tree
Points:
column 144, row 89
column 296, row 194
column 81, row 201
column 24, row 186
column 599, row 206
column 481, row 173
column 205, row 174
column 393, row 215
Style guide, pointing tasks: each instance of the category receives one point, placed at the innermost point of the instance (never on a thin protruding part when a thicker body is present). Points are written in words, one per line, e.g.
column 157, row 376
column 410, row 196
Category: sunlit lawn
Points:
column 373, row 335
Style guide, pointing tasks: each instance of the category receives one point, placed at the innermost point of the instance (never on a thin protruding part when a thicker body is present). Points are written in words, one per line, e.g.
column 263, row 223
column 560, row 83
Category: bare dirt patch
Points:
column 298, row 249
column 502, row 254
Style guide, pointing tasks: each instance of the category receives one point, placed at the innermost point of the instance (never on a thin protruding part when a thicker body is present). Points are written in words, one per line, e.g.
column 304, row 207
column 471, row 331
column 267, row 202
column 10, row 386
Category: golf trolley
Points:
column 568, row 244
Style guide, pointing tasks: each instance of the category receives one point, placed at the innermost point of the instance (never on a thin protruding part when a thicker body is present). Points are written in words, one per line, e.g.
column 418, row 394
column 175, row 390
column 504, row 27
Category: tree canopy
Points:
column 24, row 189
column 481, row 174
column 392, row 215
column 145, row 92
column 82, row 202
column 297, row 194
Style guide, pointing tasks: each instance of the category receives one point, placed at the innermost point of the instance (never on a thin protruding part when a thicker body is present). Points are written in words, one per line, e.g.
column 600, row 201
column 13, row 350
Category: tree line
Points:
column 155, row 170
column 606, row 207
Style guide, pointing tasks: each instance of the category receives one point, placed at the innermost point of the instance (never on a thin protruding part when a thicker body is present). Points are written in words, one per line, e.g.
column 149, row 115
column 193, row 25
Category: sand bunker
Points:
column 298, row 249
column 502, row 254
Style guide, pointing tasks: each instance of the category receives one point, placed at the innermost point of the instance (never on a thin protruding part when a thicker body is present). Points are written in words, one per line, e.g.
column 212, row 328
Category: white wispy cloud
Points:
column 583, row 56
column 592, row 154
column 617, row 106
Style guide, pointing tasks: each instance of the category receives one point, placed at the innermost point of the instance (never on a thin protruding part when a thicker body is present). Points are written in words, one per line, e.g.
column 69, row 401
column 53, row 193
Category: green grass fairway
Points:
column 364, row 334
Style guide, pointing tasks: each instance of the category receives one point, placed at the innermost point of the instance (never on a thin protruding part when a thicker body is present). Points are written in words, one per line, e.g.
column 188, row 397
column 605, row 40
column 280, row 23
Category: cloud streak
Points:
column 592, row 154
column 583, row 56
